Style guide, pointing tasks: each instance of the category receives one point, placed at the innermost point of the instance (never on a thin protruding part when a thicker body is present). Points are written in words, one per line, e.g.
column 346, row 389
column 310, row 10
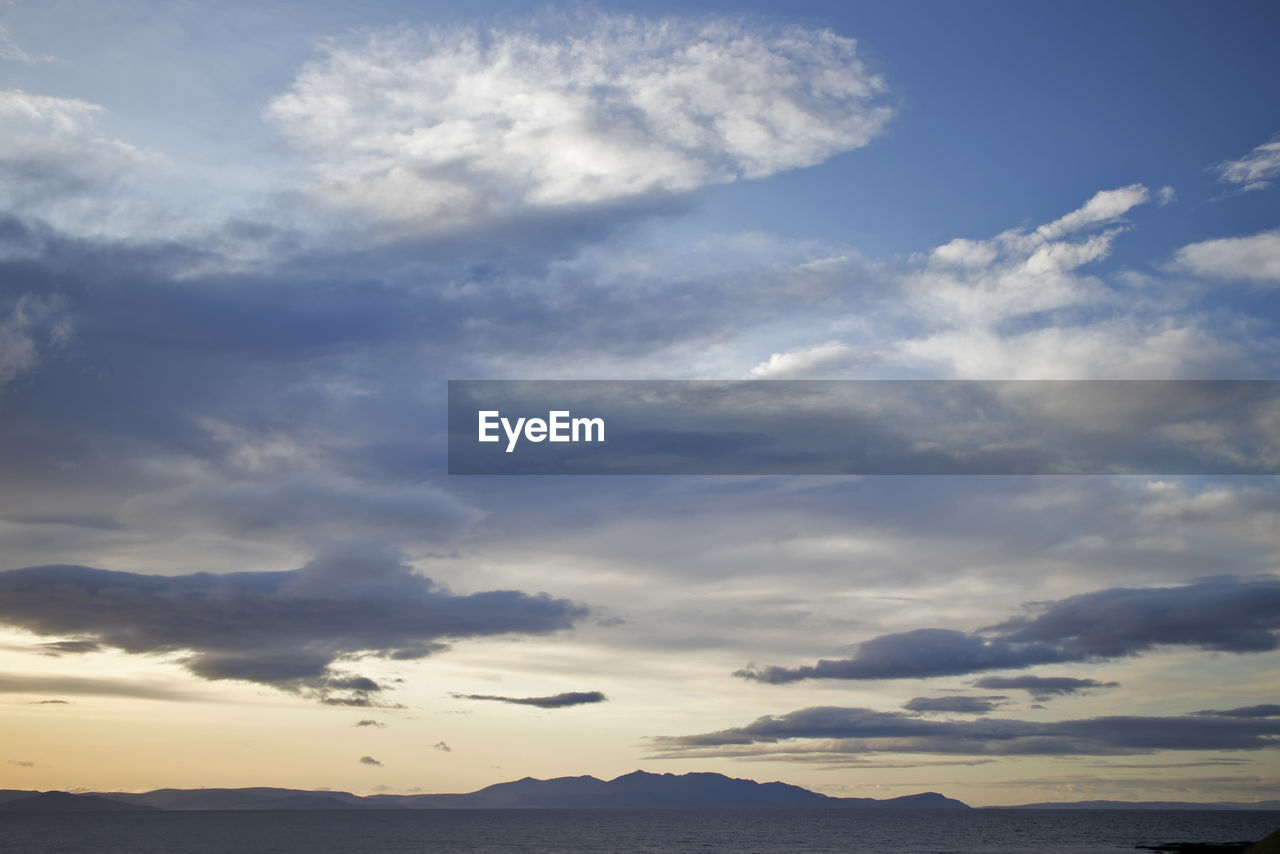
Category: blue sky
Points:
column 244, row 245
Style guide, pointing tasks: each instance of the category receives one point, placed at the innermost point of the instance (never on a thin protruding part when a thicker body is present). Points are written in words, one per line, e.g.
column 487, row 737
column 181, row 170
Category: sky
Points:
column 244, row 246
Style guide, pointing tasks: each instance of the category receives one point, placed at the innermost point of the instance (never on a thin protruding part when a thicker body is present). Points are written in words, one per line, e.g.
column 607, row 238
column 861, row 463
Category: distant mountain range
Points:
column 638, row 790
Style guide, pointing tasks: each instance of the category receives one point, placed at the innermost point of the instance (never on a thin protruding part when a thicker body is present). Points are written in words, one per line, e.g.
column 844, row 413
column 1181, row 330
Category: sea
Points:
column 625, row 831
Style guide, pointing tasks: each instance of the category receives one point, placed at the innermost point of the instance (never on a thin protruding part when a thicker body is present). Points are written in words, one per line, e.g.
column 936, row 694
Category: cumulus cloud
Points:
column 1042, row 687
column 1255, row 258
column 556, row 701
column 285, row 629
column 1225, row 615
column 21, row 763
column 842, row 731
column 455, row 125
column 369, row 760
column 369, row 722
column 955, row 705
column 1254, row 171
column 442, row 747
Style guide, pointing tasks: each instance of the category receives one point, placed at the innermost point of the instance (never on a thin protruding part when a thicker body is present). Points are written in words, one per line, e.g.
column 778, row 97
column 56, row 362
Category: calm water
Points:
column 624, row 831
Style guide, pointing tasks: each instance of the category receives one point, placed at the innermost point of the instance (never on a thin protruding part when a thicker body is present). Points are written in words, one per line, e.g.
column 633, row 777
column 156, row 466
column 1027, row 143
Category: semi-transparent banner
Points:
column 872, row 427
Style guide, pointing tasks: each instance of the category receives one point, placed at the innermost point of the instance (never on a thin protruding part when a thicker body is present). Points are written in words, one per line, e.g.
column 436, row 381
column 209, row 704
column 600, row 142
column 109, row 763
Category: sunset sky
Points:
column 245, row 245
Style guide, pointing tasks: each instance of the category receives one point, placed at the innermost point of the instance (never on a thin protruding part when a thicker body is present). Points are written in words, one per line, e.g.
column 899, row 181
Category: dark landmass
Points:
column 641, row 790
column 638, row 790
column 67, row 802
column 1145, row 805
column 1270, row 845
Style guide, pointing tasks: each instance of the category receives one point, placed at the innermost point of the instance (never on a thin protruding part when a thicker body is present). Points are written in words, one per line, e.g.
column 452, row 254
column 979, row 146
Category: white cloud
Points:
column 453, row 126
column 1255, row 170
column 833, row 356
column 1256, row 258
column 54, row 165
column 1105, row 206
column 1112, row 350
column 1019, row 271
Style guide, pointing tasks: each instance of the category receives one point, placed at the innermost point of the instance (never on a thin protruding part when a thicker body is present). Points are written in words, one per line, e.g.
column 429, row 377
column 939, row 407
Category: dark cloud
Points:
column 370, row 722
column 301, row 504
column 840, row 731
column 1225, row 615
column 1042, row 687
column 70, row 646
column 556, row 701
column 21, row 763
column 50, row 703
column 286, row 629
column 369, row 760
column 442, row 747
column 958, row 705
column 1266, row 710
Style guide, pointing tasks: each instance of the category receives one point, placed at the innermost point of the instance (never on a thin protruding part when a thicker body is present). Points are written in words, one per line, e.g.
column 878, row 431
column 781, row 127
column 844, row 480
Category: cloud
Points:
column 35, row 325
column 76, row 647
column 1255, row 170
column 285, row 629
column 1266, row 710
column 556, row 701
column 369, row 760
column 452, row 126
column 1255, row 258
column 304, row 505
column 28, row 683
column 50, row 703
column 11, row 51
column 54, row 165
column 833, row 356
column 442, row 747
column 370, row 722
column 21, row 763
column 1224, row 615
column 838, row 731
column 1042, row 687
column 1104, row 206
column 957, row 705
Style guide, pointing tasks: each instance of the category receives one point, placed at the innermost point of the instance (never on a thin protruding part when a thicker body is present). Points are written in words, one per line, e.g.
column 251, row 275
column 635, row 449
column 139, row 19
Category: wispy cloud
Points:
column 30, row 683
column 954, row 705
column 835, row 731
column 1254, row 171
column 555, row 701
column 1223, row 615
column 1043, row 687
